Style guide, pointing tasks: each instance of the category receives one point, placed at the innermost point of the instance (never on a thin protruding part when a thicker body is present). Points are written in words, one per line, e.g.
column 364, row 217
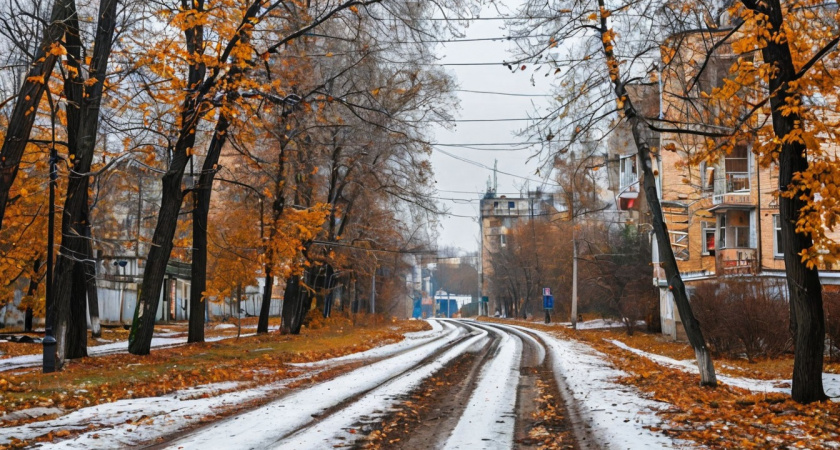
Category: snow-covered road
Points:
column 485, row 373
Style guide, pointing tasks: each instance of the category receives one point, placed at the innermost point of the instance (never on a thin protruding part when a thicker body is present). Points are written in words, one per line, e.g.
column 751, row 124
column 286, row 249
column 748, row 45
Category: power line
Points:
column 478, row 164
column 512, row 94
column 489, row 144
column 461, row 19
column 466, row 147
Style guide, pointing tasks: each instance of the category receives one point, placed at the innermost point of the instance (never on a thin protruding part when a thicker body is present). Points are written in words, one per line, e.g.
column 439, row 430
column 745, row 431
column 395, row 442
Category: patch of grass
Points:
column 251, row 360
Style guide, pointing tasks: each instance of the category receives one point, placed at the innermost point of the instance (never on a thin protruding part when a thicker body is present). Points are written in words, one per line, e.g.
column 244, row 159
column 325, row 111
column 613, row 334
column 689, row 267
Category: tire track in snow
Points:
column 489, row 418
column 323, row 433
column 264, row 426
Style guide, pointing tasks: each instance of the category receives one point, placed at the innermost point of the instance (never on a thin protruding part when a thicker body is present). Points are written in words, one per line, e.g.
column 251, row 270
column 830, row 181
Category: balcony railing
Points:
column 736, row 261
column 732, row 198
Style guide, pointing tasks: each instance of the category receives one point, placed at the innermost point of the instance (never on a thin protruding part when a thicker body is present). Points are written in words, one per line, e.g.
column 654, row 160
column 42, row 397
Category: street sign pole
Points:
column 548, row 304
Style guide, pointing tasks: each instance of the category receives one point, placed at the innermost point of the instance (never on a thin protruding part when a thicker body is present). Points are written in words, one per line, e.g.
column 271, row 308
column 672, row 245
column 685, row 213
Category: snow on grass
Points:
column 136, row 421
column 412, row 340
column 488, row 420
column 264, row 426
column 159, row 341
column 335, row 428
column 831, row 382
column 616, row 416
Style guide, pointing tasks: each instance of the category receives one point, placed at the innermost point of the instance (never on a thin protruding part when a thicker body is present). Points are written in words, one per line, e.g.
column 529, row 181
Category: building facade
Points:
column 498, row 216
column 722, row 215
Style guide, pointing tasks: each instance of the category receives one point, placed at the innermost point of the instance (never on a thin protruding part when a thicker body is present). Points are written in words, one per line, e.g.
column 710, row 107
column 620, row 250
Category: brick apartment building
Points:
column 722, row 216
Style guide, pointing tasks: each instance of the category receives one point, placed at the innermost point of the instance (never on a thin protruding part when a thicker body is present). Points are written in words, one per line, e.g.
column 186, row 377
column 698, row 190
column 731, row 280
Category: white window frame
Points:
column 628, row 171
column 708, row 227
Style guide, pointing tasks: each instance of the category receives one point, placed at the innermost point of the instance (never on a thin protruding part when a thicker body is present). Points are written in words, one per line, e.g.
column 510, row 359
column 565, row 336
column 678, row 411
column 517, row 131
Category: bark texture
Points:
column 806, row 302
column 202, row 194
column 82, row 124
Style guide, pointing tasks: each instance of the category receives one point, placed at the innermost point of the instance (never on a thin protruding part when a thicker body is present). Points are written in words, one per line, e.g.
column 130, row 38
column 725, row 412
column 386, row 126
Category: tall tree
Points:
column 595, row 72
column 83, row 113
column 224, row 76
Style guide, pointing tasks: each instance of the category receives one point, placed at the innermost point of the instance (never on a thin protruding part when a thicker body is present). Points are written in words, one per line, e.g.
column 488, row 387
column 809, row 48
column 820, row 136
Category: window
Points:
column 707, row 176
column 502, row 240
column 742, row 236
column 737, row 165
column 511, row 205
column 722, row 231
column 679, row 244
column 627, row 174
column 708, row 238
column 778, row 244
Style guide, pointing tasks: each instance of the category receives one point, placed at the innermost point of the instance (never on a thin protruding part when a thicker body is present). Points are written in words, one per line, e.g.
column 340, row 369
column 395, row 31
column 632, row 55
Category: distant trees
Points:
column 459, row 279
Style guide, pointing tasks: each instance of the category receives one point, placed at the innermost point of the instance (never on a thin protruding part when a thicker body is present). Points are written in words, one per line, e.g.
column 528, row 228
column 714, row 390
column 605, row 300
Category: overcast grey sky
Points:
column 461, row 180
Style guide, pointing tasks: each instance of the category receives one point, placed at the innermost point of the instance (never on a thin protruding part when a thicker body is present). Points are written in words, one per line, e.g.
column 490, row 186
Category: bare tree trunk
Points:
column 202, row 194
column 142, row 328
column 265, row 306
column 90, row 283
column 29, row 96
column 31, row 292
column 277, row 207
column 77, row 326
column 806, row 302
column 669, row 262
column 83, row 124
column 291, row 301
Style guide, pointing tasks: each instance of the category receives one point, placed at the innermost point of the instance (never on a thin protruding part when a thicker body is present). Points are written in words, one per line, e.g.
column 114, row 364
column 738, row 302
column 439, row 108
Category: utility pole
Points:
column 574, row 281
column 574, row 248
column 373, row 292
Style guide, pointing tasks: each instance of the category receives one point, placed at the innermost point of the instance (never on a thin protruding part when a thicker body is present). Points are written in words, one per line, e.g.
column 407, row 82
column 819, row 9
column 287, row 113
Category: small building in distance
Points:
column 499, row 214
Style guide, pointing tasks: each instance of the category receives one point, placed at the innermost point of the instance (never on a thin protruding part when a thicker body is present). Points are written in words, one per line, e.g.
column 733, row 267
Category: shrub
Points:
column 831, row 303
column 742, row 317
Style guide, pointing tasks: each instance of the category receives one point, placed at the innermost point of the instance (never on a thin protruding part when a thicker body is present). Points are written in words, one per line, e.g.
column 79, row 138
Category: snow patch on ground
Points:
column 412, row 340
column 264, row 426
column 135, row 421
column 616, row 415
column 596, row 324
column 831, row 382
column 335, row 428
column 489, row 418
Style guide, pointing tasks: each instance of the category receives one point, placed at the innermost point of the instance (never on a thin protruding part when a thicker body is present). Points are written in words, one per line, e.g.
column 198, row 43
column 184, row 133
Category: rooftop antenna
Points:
column 495, row 180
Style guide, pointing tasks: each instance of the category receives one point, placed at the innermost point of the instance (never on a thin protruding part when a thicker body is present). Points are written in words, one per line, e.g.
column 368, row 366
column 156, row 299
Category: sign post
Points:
column 548, row 304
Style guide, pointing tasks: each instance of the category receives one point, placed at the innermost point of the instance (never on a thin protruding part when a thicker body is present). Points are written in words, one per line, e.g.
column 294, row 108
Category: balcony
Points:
column 733, row 190
column 736, row 261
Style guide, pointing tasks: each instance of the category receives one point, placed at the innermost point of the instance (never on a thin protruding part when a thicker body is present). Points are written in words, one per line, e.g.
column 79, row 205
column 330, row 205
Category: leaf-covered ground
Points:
column 723, row 417
column 251, row 360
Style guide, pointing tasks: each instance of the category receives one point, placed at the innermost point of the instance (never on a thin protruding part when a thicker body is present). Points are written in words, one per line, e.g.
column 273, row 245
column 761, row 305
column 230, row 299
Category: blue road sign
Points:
column 548, row 302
